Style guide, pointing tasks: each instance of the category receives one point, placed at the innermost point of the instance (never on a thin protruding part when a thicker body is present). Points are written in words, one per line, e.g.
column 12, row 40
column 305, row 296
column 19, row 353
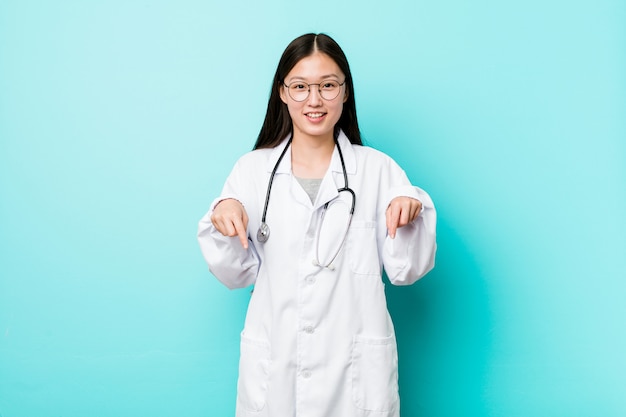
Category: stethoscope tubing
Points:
column 264, row 231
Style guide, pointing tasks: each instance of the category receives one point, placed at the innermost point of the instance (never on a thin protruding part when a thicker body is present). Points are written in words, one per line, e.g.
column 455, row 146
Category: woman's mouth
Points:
column 315, row 116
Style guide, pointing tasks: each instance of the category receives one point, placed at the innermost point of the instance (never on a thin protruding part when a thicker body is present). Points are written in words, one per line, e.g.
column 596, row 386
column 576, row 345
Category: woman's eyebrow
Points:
column 323, row 77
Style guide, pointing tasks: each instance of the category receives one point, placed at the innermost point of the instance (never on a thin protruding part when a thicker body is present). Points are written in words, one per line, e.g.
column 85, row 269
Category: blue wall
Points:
column 120, row 120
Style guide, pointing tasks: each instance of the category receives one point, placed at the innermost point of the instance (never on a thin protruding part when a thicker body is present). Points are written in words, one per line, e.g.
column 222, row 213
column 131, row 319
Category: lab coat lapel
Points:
column 333, row 180
column 328, row 189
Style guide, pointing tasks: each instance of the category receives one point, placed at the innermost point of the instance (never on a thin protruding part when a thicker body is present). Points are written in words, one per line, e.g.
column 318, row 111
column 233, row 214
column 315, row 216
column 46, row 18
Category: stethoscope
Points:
column 263, row 234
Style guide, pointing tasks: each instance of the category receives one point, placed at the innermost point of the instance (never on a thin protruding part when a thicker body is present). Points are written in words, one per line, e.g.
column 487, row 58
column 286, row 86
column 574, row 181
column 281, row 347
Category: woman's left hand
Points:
column 401, row 211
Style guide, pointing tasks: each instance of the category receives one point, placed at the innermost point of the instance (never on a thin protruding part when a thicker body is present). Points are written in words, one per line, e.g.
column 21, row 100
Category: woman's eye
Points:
column 329, row 85
column 298, row 86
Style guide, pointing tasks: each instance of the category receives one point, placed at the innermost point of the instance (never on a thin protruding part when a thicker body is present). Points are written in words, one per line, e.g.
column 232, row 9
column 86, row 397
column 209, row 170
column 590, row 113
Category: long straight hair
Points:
column 278, row 124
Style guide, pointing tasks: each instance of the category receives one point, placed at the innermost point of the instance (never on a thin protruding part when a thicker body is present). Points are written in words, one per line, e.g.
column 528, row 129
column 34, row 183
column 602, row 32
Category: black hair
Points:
column 278, row 124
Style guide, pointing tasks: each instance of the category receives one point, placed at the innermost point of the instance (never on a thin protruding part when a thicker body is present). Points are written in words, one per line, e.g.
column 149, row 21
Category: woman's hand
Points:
column 402, row 211
column 230, row 219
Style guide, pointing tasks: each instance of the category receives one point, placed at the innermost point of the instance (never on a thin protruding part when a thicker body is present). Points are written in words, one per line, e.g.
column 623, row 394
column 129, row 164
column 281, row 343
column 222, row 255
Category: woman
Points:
column 310, row 217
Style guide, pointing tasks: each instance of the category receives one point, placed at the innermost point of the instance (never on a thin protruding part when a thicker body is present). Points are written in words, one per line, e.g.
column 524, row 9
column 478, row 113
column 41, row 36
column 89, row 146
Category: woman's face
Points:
column 314, row 117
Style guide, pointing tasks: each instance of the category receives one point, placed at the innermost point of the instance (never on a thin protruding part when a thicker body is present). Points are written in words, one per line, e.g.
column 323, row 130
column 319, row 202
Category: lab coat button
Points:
column 309, row 329
column 310, row 280
column 306, row 374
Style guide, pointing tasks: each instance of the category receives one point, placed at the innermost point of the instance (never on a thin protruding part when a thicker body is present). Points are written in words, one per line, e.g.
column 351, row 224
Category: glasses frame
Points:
column 308, row 91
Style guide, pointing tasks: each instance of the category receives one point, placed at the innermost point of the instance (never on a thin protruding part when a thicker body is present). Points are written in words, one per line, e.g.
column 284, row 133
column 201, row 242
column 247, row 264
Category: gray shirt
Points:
column 311, row 186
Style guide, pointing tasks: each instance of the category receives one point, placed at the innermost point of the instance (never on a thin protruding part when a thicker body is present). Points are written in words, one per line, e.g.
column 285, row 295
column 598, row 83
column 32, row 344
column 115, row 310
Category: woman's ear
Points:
column 283, row 96
column 345, row 96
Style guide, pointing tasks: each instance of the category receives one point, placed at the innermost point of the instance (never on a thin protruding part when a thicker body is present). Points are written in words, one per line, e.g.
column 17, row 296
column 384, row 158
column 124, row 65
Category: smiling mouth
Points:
column 314, row 115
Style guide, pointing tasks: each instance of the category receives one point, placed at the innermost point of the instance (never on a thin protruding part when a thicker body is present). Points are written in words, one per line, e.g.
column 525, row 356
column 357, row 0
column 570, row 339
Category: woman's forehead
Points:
column 315, row 66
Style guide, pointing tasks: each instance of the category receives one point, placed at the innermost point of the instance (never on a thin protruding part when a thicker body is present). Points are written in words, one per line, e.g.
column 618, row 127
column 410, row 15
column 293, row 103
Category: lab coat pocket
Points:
column 363, row 248
column 254, row 364
column 375, row 374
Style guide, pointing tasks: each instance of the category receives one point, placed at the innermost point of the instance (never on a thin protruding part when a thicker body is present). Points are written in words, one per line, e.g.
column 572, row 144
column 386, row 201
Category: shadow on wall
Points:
column 443, row 330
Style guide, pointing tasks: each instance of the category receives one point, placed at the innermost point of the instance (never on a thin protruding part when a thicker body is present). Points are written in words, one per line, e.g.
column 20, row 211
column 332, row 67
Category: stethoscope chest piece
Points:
column 263, row 233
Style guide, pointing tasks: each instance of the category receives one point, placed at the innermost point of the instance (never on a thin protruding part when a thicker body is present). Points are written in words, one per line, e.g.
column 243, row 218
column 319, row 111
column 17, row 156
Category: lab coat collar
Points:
column 348, row 155
column 335, row 163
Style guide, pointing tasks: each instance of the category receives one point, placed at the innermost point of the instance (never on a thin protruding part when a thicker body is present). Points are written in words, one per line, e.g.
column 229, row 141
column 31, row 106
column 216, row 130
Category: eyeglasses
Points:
column 329, row 89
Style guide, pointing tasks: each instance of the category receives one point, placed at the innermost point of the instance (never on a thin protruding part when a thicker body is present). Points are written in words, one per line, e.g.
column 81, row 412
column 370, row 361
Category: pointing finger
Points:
column 392, row 215
column 240, row 229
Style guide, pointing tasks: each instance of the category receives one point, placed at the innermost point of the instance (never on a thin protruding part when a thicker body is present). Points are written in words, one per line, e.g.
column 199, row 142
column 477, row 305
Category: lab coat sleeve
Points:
column 228, row 261
column 411, row 254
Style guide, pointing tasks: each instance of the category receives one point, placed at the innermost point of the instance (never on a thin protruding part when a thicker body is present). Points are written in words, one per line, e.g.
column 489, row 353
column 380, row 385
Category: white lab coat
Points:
column 319, row 342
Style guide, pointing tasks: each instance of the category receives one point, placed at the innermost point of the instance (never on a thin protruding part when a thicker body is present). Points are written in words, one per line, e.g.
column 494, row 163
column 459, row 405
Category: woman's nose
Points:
column 315, row 96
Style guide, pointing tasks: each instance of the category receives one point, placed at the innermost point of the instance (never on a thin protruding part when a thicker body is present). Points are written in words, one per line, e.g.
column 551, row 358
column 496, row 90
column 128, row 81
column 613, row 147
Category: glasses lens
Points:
column 329, row 90
column 298, row 91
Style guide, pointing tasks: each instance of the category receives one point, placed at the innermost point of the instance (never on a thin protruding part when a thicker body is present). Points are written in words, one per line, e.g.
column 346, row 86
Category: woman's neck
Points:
column 310, row 156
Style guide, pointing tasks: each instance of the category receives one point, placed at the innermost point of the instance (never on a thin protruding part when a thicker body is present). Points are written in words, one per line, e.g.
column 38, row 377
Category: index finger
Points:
column 240, row 228
column 393, row 216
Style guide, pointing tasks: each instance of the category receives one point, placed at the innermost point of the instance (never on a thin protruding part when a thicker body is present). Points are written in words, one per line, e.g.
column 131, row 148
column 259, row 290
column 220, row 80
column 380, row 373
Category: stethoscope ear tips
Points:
column 263, row 233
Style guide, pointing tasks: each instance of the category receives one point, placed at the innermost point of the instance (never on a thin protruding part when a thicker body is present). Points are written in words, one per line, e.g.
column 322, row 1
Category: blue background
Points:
column 120, row 120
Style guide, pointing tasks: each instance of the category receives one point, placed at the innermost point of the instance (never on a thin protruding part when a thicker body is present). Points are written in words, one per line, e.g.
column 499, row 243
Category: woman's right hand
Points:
column 230, row 219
